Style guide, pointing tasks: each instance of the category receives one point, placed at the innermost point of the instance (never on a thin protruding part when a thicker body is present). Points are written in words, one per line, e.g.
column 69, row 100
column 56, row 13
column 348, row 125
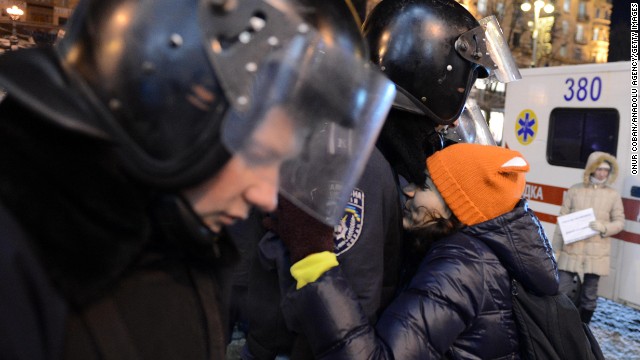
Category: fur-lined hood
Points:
column 595, row 159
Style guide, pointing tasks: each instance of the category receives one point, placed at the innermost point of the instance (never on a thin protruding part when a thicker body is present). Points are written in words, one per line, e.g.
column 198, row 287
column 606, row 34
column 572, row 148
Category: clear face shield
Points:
column 314, row 111
column 485, row 45
column 471, row 127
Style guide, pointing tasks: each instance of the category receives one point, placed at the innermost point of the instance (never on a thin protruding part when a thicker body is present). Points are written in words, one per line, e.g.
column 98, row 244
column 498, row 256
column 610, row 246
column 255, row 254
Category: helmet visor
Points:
column 471, row 127
column 315, row 111
column 486, row 46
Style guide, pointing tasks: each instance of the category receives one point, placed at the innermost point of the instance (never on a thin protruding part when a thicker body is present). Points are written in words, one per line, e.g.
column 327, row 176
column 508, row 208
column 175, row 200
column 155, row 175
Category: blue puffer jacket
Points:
column 457, row 306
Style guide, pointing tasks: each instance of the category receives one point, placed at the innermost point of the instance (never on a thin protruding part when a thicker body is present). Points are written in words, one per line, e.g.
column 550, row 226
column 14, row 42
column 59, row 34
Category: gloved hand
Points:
column 598, row 226
column 300, row 232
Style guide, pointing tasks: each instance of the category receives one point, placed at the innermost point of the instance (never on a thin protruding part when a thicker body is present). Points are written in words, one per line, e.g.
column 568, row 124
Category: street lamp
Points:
column 14, row 13
column 537, row 6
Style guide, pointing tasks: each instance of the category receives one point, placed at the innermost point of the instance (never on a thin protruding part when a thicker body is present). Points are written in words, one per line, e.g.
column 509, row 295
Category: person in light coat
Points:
column 586, row 260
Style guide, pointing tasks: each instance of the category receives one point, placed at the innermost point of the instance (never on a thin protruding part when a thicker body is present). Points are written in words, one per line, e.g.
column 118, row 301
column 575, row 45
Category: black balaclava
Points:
column 406, row 141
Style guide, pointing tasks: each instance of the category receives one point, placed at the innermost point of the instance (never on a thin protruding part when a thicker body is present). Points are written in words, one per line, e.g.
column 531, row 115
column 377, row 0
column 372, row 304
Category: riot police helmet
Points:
column 434, row 50
column 182, row 86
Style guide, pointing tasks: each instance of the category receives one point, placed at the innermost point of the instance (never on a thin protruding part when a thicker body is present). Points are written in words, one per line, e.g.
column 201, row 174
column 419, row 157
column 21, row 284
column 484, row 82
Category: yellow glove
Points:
column 312, row 267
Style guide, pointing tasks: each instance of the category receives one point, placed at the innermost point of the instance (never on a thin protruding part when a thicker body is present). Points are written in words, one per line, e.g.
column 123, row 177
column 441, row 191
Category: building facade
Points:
column 41, row 19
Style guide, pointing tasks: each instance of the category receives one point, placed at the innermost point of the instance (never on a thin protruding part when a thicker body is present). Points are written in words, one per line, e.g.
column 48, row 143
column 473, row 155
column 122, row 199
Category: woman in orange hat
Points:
column 478, row 234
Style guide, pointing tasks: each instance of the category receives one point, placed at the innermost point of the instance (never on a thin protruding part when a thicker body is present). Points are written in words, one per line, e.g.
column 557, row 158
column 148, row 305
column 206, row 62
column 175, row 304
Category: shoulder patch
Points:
column 347, row 233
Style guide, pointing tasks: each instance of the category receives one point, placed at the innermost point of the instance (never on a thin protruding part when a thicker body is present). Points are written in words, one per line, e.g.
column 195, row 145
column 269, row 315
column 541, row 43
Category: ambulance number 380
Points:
column 583, row 88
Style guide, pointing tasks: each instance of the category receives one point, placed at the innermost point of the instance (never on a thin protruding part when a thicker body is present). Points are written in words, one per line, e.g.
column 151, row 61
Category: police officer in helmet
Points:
column 433, row 50
column 131, row 144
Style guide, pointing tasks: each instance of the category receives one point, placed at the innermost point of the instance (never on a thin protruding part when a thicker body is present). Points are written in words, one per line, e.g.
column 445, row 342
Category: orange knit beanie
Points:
column 478, row 182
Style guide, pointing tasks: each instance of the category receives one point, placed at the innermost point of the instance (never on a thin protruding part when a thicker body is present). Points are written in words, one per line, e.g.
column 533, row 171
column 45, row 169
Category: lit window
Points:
column 582, row 10
column 579, row 32
column 482, row 6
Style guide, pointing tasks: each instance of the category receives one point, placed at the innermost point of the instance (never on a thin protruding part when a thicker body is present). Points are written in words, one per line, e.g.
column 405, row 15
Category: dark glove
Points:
column 301, row 233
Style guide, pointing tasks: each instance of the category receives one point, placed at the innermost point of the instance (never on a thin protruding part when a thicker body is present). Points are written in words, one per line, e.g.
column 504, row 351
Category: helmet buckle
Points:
column 472, row 46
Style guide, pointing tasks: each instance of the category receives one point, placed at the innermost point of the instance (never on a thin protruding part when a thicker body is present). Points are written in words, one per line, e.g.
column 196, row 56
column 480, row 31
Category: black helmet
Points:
column 166, row 75
column 414, row 43
column 433, row 50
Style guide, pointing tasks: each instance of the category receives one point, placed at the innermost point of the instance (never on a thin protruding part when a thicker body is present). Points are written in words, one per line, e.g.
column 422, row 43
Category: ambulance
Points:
column 557, row 116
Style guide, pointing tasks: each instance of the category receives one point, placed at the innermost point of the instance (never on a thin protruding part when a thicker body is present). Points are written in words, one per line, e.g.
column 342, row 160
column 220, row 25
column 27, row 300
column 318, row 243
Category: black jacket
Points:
column 368, row 245
column 93, row 264
column 458, row 304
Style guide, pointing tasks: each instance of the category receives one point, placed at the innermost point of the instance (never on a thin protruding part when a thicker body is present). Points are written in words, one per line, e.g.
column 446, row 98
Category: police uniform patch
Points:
column 346, row 233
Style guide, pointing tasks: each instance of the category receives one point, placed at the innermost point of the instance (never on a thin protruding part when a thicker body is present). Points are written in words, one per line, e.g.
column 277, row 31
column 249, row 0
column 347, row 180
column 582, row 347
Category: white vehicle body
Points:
column 543, row 105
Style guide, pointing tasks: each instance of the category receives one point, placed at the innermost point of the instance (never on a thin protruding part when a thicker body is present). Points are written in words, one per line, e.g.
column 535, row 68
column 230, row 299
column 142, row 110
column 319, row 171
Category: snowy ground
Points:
column 617, row 328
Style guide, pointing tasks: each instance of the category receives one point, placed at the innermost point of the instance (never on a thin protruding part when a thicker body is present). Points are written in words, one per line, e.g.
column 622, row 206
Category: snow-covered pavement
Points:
column 617, row 328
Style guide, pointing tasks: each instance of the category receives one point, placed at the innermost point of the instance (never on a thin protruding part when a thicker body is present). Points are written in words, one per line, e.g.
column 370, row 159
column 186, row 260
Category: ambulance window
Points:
column 575, row 133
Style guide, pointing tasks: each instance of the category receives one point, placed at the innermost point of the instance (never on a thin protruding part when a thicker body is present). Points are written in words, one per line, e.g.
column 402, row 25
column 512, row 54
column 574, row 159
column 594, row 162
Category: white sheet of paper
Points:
column 575, row 226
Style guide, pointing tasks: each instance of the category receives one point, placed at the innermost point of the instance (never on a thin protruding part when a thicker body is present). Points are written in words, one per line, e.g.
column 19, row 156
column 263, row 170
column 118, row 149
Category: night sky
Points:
column 620, row 37
column 621, row 11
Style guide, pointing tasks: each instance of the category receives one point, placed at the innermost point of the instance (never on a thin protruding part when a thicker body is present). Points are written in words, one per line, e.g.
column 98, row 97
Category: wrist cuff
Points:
column 312, row 267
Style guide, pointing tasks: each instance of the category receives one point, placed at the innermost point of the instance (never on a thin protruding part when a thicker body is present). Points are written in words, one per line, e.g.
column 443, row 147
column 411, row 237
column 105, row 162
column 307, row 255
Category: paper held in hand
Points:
column 575, row 226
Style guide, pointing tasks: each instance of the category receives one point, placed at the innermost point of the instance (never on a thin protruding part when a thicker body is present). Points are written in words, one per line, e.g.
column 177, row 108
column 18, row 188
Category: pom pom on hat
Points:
column 478, row 182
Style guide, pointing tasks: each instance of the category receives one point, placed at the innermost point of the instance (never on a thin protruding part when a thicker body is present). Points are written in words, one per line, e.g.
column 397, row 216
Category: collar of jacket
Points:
column 36, row 79
column 519, row 241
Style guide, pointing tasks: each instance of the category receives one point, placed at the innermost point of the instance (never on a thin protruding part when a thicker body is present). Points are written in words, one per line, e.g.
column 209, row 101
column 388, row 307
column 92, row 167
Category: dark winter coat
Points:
column 93, row 265
column 457, row 306
column 368, row 244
